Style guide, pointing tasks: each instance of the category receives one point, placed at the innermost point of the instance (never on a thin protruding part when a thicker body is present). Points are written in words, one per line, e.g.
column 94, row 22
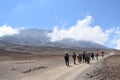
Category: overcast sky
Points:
column 89, row 20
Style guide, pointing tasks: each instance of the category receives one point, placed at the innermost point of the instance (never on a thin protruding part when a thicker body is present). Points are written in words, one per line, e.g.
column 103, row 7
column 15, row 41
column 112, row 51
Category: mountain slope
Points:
column 36, row 37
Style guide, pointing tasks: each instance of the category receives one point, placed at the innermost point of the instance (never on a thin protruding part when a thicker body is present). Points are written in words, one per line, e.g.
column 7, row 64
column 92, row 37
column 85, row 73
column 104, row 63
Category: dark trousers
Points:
column 67, row 63
column 74, row 61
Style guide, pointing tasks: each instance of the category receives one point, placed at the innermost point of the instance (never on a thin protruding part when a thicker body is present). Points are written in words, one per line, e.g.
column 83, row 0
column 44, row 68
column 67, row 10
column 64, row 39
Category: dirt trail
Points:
column 62, row 72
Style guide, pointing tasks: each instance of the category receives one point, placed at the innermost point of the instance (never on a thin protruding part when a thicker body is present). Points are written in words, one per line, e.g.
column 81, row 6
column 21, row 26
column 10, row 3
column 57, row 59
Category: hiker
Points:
column 102, row 54
column 78, row 57
column 74, row 57
column 92, row 56
column 83, row 56
column 97, row 55
column 66, row 57
column 88, row 58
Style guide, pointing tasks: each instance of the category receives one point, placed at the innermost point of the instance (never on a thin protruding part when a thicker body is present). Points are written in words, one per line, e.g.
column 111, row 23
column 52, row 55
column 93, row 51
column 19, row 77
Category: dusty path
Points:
column 62, row 72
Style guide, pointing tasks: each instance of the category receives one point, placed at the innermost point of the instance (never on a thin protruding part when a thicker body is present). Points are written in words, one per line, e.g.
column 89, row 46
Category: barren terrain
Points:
column 27, row 66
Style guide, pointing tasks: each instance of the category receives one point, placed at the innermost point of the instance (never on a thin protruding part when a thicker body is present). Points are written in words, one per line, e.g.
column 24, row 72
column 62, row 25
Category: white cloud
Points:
column 7, row 30
column 116, row 38
column 117, row 43
column 81, row 31
column 109, row 31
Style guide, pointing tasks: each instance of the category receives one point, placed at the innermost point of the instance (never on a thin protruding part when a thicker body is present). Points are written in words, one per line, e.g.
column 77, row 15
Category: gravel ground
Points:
column 109, row 69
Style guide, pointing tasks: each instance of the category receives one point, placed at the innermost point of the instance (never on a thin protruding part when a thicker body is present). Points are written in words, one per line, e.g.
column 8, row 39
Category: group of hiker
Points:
column 83, row 57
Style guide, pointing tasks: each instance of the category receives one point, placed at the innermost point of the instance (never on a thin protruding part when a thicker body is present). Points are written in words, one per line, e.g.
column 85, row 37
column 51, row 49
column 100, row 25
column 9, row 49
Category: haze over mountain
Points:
column 40, row 38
